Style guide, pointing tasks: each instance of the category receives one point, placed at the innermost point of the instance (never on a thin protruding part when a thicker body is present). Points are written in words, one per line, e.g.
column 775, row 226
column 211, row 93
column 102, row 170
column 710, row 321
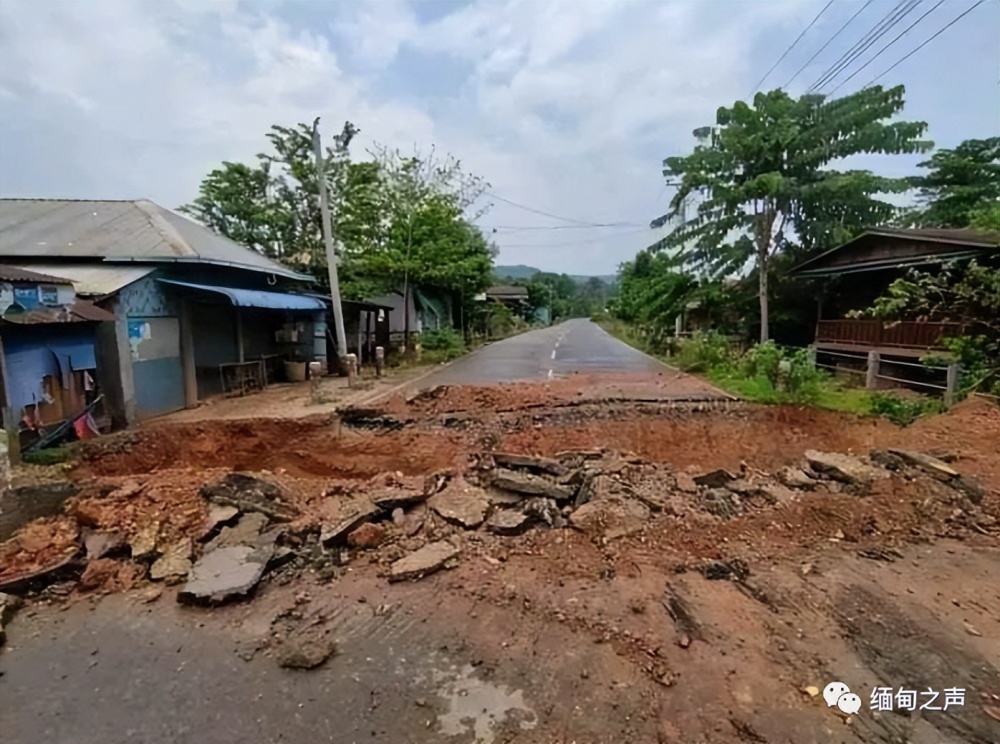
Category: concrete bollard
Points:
column 379, row 361
column 352, row 369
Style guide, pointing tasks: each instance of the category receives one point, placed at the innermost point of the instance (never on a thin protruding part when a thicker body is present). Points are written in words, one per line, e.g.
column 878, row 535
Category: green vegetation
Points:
column 441, row 345
column 398, row 221
column 768, row 373
column 763, row 173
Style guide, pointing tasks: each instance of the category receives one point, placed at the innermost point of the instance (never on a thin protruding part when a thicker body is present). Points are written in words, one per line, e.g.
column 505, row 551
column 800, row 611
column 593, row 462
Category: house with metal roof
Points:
column 862, row 269
column 194, row 313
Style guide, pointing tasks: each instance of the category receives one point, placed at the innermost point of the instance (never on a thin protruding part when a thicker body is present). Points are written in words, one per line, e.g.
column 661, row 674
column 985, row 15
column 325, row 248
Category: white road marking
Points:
column 550, row 374
column 553, row 353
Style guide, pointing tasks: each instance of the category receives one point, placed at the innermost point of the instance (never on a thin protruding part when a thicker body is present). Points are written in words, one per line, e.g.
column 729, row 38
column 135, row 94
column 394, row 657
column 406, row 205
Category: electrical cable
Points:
column 904, row 8
column 820, row 50
column 790, row 48
column 928, row 41
column 879, row 53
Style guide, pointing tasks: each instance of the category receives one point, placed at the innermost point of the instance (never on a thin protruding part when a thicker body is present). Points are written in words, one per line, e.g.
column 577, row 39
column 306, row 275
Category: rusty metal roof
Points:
column 81, row 311
column 10, row 273
column 96, row 279
column 119, row 231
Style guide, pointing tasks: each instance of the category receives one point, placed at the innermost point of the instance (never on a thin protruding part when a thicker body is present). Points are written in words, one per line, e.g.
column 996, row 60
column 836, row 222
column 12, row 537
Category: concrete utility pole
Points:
column 331, row 256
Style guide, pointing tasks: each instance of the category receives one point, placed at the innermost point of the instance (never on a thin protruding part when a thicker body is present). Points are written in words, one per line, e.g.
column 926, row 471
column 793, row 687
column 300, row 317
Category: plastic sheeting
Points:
column 36, row 355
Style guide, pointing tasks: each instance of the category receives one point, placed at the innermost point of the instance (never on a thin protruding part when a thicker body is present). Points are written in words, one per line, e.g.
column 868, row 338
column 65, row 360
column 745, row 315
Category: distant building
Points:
column 193, row 312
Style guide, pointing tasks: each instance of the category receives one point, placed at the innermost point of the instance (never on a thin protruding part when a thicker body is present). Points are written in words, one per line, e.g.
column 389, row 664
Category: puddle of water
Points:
column 477, row 707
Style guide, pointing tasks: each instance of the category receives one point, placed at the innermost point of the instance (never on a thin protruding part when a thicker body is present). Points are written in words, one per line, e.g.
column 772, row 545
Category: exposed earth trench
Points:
column 657, row 571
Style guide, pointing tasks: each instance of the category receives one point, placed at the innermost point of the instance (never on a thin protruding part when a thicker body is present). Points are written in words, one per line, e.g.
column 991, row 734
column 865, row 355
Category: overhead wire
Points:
column 828, row 42
column 790, row 48
column 543, row 213
column 902, row 9
column 925, row 43
column 880, row 51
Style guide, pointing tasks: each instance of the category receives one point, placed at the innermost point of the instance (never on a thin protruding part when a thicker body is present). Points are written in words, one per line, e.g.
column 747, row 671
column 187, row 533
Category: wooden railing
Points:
column 876, row 333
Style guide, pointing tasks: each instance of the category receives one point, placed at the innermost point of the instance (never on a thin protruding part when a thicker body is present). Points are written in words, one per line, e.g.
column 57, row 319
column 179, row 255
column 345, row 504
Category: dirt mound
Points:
column 305, row 447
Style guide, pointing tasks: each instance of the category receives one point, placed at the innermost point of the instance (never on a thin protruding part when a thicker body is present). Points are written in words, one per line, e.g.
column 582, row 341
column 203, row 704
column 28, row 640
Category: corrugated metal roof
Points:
column 81, row 311
column 255, row 297
column 94, row 279
column 119, row 230
column 10, row 273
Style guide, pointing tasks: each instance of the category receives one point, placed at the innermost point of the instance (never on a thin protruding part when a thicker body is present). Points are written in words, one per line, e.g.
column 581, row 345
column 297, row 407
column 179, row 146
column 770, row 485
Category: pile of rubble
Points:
column 245, row 527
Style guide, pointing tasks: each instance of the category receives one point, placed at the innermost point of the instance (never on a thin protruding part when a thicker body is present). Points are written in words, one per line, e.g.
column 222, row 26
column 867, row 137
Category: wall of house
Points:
column 396, row 318
column 153, row 330
column 46, row 362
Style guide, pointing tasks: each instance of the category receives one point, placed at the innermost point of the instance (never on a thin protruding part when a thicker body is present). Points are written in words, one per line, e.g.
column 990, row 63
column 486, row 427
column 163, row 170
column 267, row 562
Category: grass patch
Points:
column 770, row 374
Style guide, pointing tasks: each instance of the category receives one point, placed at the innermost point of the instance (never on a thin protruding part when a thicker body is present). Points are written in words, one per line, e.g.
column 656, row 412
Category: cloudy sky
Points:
column 564, row 107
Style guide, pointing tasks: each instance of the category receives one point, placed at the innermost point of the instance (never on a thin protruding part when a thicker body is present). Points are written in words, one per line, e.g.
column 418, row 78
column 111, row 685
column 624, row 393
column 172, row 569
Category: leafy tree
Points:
column 762, row 175
column 429, row 240
column 396, row 220
column 273, row 206
column 962, row 182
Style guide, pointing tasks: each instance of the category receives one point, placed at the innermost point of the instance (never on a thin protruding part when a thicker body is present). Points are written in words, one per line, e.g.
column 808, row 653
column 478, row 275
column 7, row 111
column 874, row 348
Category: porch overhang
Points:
column 253, row 297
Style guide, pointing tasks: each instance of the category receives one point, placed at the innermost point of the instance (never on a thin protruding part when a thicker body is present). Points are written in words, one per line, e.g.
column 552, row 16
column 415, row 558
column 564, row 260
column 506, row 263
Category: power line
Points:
column 544, row 214
column 820, row 50
column 890, row 19
column 790, row 48
column 586, row 241
column 928, row 41
column 567, row 227
column 879, row 53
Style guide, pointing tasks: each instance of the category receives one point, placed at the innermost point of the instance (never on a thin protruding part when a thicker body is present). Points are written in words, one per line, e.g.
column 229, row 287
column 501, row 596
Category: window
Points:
column 49, row 294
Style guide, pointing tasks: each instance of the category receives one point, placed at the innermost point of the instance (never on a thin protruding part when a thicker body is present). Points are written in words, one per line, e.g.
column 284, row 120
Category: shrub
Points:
column 704, row 352
column 442, row 339
column 904, row 412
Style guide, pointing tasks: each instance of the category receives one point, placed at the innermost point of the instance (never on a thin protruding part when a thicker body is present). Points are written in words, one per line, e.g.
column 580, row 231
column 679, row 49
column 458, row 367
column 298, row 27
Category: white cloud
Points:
column 567, row 107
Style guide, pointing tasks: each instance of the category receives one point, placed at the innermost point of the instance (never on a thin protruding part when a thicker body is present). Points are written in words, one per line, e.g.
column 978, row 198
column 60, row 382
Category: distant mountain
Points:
column 521, row 272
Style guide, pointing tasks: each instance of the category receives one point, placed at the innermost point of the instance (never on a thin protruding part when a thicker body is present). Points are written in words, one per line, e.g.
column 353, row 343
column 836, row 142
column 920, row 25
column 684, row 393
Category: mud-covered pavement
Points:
column 608, row 585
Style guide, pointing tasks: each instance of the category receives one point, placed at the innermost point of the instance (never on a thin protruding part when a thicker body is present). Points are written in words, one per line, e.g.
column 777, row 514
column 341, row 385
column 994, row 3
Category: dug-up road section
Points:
column 615, row 553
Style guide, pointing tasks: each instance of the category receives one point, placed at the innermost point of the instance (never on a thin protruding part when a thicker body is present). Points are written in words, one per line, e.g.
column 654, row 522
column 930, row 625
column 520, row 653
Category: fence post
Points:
column 352, row 369
column 379, row 361
column 951, row 383
column 871, row 379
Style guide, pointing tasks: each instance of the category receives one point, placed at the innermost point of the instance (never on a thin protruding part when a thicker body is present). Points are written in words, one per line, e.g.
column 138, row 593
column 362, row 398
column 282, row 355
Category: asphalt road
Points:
column 575, row 346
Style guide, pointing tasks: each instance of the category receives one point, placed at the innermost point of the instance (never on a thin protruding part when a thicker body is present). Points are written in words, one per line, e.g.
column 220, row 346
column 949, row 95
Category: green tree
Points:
column 762, row 175
column 961, row 183
column 429, row 240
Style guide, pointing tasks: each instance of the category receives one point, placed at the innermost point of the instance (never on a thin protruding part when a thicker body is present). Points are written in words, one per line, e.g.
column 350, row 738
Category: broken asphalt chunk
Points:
column 244, row 532
column 430, row 558
column 715, row 479
column 250, row 494
column 461, row 503
column 794, row 478
column 932, row 465
column 353, row 515
column 843, row 468
column 390, row 500
column 508, row 522
column 100, row 544
column 225, row 574
column 174, row 564
column 610, row 517
column 533, row 485
column 542, row 464
column 143, row 542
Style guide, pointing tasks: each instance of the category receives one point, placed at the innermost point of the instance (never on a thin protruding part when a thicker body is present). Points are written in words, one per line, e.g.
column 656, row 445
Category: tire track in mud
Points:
column 903, row 651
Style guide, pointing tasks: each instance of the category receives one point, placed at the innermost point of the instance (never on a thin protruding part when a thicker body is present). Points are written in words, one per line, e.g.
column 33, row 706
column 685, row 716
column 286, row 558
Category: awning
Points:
column 255, row 297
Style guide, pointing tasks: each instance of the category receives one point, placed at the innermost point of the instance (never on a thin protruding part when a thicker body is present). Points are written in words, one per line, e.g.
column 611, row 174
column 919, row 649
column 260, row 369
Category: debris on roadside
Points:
column 429, row 559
